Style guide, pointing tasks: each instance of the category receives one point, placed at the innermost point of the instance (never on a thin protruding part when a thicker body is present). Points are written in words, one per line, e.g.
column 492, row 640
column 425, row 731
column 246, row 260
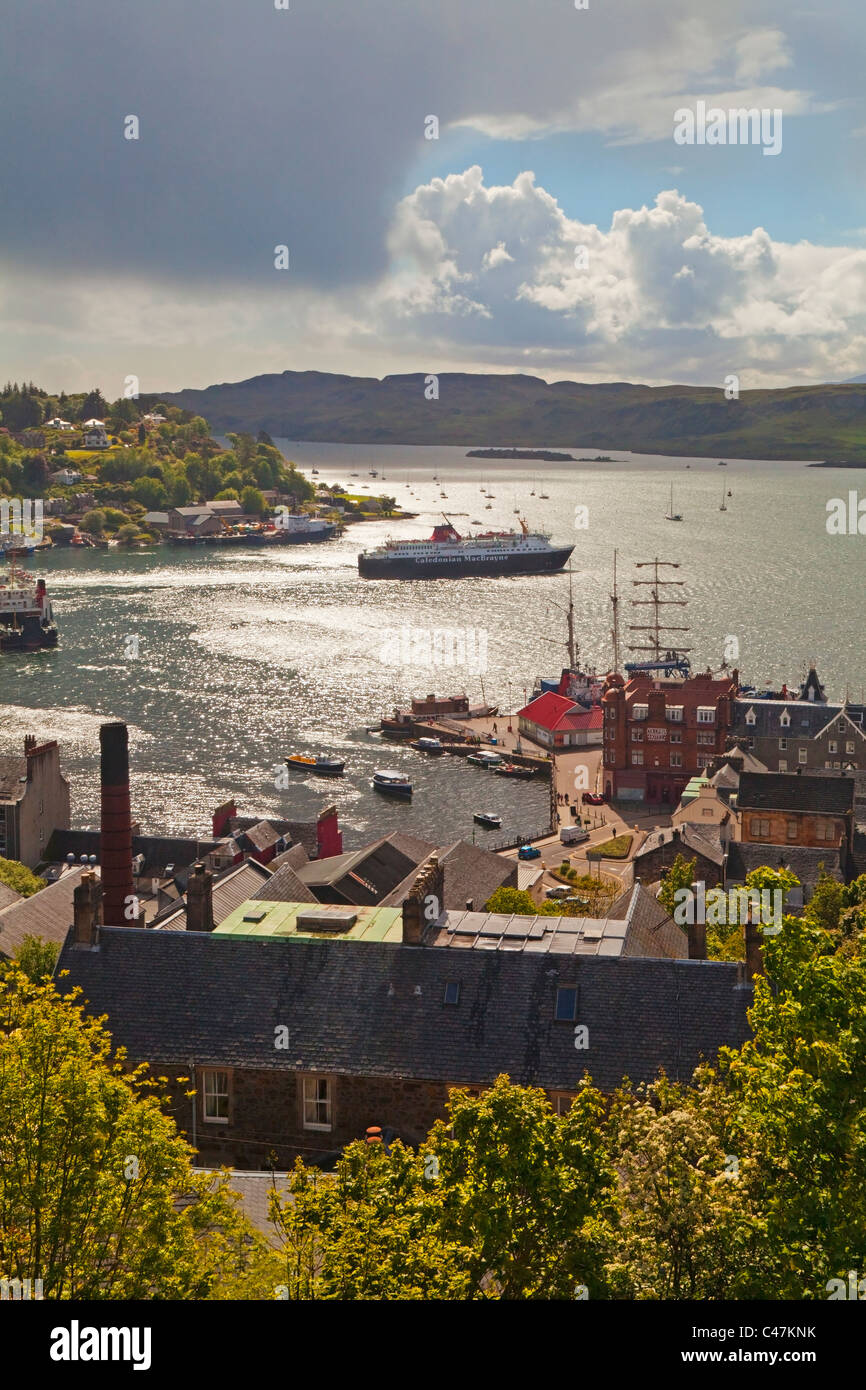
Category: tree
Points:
column 93, row 1168
column 20, row 878
column 500, row 1201
column 681, row 874
column 93, row 522
column 37, row 958
column 253, row 502
column 128, row 534
column 94, row 406
column 151, row 493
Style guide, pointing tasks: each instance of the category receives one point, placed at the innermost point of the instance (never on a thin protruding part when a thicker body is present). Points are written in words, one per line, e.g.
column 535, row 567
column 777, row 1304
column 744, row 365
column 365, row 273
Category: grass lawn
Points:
column 617, row 848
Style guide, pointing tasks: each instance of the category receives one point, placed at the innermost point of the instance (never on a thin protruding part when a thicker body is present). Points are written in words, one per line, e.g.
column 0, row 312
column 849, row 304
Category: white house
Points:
column 95, row 438
column 57, row 424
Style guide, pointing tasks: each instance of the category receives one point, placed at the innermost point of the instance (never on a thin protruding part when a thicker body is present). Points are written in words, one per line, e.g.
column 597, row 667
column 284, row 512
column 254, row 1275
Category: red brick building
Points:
column 659, row 734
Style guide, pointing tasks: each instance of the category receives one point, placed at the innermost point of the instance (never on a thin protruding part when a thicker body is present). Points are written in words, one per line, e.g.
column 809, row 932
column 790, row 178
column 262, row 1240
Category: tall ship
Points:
column 449, row 555
column 26, row 618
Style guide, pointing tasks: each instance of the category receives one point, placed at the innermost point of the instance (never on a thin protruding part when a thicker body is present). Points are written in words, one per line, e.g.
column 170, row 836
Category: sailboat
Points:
column 724, row 506
column 543, row 493
column 671, row 515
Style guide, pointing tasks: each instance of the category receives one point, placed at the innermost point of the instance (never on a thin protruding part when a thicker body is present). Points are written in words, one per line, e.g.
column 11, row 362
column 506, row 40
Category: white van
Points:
column 573, row 835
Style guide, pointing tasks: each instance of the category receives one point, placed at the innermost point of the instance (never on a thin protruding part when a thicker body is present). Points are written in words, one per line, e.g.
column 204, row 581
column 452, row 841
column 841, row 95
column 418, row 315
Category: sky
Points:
column 554, row 225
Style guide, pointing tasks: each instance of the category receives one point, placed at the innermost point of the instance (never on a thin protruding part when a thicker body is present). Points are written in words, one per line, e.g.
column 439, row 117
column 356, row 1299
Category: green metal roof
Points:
column 260, row 918
column 693, row 788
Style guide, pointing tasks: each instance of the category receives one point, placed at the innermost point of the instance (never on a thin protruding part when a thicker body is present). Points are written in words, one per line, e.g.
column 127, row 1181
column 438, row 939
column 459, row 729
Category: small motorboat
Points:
column 485, row 759
column 488, row 818
column 512, row 770
column 325, row 766
column 427, row 745
column 392, row 784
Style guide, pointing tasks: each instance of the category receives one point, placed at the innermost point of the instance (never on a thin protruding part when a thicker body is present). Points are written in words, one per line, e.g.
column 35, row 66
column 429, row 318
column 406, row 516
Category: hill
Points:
column 810, row 422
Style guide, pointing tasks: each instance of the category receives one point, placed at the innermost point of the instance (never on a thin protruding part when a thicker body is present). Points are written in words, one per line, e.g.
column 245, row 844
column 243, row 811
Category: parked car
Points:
column 593, row 798
column 528, row 852
column 560, row 891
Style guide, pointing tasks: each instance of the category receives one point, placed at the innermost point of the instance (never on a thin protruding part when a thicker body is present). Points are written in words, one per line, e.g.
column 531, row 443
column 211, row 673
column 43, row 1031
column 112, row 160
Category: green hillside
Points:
column 808, row 422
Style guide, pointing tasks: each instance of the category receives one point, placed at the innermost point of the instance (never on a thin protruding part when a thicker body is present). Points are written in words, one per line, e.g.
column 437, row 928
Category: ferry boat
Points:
column 26, row 617
column 392, row 784
column 447, row 554
column 325, row 766
column 427, row 745
column 488, row 818
column 297, row 529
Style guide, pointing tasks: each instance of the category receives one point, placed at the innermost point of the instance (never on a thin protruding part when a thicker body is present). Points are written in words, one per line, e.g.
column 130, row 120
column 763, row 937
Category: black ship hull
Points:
column 458, row 567
column 29, row 635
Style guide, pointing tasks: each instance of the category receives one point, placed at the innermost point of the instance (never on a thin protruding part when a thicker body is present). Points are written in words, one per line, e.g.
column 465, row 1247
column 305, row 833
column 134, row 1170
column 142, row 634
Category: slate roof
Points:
column 232, row 887
column 374, row 1009
column 8, row 896
column 361, row 876
column 47, row 914
column 262, row 835
column 683, row 838
column 158, row 850
column 285, row 886
column 650, row 930
column 805, row 863
column 13, row 777
column 786, row 791
column 807, row 717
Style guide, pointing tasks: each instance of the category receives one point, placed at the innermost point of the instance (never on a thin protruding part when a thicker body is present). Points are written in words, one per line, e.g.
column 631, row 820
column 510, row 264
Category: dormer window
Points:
column 784, row 719
column 706, row 714
column 675, row 713
column 750, row 717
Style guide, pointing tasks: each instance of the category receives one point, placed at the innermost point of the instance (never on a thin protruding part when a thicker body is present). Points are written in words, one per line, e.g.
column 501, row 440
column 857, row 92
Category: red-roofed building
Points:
column 557, row 722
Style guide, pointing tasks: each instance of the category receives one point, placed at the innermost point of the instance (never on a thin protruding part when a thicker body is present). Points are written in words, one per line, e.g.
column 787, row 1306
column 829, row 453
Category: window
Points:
column 750, row 717
column 639, row 711
column 803, row 756
column 706, row 714
column 783, row 764
column 707, row 811
column 758, row 826
column 783, row 744
column 675, row 736
column 316, row 1099
column 792, row 830
column 637, row 759
column 675, row 713
column 676, row 759
column 784, row 719
column 566, row 1004
column 704, row 760
column 637, row 735
column 215, row 1087
column 825, row 830
column 832, row 746
column 706, row 738
column 561, row 1103
column 849, row 746
column 751, row 743
column 452, row 991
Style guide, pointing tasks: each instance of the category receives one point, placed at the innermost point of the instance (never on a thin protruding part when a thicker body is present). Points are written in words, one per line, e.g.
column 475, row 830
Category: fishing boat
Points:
column 487, row 818
column 325, row 766
column 521, row 774
column 670, row 514
column 427, row 745
column 392, row 784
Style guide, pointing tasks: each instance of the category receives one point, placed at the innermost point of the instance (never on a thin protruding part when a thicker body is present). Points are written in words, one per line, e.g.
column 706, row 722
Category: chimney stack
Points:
column 115, row 823
column 199, row 899
column 29, row 743
column 754, row 958
column 87, row 909
column 424, row 902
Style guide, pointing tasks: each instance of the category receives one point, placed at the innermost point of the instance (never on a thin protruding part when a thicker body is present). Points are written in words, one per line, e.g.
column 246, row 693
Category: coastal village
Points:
column 199, row 948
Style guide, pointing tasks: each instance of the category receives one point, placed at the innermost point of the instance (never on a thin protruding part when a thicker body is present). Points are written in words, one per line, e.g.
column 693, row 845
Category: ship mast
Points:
column 614, row 603
column 657, row 627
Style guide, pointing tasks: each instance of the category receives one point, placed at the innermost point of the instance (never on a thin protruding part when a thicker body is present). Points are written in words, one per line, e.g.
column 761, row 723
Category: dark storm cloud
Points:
column 261, row 126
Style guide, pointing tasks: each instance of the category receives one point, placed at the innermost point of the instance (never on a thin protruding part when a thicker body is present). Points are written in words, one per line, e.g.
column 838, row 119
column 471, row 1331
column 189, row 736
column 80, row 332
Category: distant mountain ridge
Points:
column 503, row 410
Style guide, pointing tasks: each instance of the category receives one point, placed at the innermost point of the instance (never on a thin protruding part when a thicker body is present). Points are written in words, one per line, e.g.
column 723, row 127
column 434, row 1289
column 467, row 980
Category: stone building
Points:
column 294, row 1042
column 34, row 801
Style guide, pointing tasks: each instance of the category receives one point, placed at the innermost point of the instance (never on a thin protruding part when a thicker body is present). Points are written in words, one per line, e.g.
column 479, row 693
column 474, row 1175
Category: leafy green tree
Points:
column 93, row 522
column 37, row 958
column 151, row 493
column 92, row 1167
column 128, row 534
column 681, row 874
column 20, row 878
column 253, row 502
